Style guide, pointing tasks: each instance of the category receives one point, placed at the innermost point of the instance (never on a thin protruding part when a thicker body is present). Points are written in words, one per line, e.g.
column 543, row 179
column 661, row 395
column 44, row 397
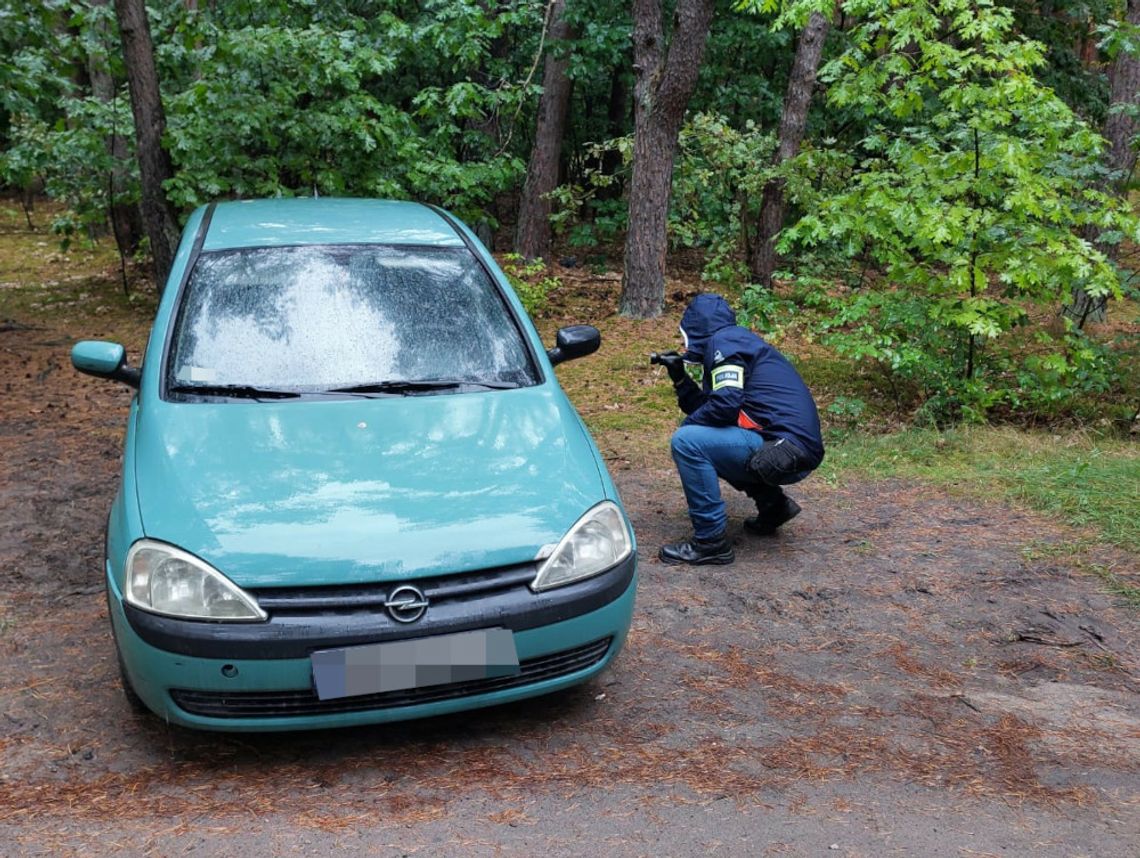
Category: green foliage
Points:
column 718, row 179
column 531, row 281
column 586, row 212
column 725, row 146
column 35, row 50
column 718, row 176
column 1117, row 37
column 947, row 181
column 74, row 160
column 1070, row 365
column 281, row 98
column 846, row 412
column 791, row 13
column 764, row 310
column 1081, row 84
column 50, row 127
column 751, row 91
column 1031, row 373
column 28, row 156
column 600, row 45
column 968, row 193
column 382, row 105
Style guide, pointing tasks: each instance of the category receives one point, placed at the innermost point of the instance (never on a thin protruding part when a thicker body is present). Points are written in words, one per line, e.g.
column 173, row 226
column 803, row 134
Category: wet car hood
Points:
column 312, row 492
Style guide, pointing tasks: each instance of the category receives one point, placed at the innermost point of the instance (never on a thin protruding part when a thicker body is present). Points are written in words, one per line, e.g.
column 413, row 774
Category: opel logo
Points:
column 406, row 604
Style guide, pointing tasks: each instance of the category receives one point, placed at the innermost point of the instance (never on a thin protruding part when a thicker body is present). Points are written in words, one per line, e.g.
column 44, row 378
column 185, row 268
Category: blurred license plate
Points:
column 399, row 665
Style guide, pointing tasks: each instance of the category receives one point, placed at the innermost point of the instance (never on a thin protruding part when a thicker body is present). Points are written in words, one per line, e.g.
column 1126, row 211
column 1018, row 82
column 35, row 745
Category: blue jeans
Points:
column 704, row 455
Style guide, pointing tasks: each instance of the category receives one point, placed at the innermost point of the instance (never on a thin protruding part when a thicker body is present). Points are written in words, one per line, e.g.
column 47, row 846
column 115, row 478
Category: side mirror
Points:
column 574, row 341
column 104, row 360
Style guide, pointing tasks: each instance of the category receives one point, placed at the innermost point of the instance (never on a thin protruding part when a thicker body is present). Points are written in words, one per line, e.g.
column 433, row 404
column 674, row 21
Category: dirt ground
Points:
column 896, row 673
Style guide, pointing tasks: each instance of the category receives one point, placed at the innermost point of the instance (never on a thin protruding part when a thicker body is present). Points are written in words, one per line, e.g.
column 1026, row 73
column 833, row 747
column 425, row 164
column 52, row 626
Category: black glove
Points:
column 674, row 365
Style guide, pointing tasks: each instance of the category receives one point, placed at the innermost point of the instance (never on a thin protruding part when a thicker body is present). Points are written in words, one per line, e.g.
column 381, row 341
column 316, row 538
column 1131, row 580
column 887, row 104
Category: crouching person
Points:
column 752, row 422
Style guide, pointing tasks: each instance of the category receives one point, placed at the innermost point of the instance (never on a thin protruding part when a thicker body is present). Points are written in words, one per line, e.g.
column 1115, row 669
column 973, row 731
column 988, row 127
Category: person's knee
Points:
column 686, row 443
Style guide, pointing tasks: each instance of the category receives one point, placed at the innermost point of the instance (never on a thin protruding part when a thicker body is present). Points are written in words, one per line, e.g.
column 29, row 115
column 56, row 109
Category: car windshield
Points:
column 321, row 318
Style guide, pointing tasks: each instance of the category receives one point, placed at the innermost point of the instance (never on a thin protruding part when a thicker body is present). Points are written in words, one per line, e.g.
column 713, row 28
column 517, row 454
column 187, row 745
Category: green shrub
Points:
column 530, row 280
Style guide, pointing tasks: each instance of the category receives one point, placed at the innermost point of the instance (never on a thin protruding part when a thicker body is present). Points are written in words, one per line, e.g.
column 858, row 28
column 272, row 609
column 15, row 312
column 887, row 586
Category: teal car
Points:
column 352, row 489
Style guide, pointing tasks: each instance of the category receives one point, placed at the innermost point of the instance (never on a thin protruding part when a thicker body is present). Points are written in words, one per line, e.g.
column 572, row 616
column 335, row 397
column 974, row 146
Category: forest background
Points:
column 928, row 205
column 926, row 202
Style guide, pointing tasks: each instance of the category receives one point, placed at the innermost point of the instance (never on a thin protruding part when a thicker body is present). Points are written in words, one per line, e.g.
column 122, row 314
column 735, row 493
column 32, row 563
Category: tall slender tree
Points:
column 666, row 66
column 1123, row 123
column 793, row 121
column 1121, row 128
column 155, row 168
column 126, row 224
column 533, row 236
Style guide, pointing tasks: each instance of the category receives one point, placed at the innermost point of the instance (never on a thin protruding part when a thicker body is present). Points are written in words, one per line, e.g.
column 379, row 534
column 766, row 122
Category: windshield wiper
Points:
column 426, row 385
column 238, row 391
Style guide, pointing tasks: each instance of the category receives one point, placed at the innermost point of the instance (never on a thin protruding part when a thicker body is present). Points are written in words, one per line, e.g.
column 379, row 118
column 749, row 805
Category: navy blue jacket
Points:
column 744, row 373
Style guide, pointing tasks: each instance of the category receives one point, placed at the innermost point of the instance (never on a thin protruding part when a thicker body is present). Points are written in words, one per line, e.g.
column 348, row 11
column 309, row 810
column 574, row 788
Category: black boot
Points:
column 770, row 517
column 699, row 552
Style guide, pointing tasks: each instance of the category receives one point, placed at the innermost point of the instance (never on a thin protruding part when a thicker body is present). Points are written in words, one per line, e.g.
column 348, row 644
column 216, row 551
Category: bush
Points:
column 530, row 280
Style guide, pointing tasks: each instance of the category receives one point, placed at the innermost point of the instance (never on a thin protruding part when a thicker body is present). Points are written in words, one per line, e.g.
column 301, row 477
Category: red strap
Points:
column 746, row 422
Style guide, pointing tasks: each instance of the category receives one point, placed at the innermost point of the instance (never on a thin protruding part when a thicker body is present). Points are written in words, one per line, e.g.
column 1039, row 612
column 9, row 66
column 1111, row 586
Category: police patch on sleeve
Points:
column 727, row 376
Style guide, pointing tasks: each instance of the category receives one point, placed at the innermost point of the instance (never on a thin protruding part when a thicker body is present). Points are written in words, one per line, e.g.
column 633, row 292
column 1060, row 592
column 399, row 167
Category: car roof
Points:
column 303, row 220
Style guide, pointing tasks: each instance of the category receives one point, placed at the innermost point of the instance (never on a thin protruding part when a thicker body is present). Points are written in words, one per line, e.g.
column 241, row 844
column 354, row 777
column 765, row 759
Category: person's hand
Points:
column 674, row 365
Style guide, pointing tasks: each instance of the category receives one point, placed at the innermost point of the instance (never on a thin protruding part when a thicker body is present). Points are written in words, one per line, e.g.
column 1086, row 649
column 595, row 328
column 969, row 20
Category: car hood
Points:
column 335, row 491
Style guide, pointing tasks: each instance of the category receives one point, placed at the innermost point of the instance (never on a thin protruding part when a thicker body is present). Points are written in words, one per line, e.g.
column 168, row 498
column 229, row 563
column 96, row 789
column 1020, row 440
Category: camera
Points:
column 664, row 358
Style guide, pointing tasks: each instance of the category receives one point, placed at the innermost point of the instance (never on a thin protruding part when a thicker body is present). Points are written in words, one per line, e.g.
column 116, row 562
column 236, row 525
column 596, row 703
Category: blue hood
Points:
column 319, row 492
column 705, row 315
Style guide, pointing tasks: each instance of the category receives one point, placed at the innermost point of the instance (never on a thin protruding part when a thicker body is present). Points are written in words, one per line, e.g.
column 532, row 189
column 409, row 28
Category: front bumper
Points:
column 229, row 677
column 302, row 620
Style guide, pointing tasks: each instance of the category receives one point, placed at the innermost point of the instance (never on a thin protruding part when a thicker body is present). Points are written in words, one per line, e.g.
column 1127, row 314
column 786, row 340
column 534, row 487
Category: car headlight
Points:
column 166, row 580
column 598, row 541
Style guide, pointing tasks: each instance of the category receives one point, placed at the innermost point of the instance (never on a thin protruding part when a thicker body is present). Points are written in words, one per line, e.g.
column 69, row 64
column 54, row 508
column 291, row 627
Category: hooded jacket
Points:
column 742, row 372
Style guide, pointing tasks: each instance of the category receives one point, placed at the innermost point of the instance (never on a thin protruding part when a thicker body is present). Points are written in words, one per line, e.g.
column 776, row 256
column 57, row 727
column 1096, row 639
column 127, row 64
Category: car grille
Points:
column 284, row 704
column 352, row 598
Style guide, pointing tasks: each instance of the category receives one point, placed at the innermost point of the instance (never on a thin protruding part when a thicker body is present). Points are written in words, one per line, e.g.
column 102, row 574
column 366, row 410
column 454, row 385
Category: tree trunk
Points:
column 617, row 117
column 533, row 238
column 793, row 120
column 665, row 78
column 1121, row 127
column 1120, row 130
column 126, row 222
column 155, row 166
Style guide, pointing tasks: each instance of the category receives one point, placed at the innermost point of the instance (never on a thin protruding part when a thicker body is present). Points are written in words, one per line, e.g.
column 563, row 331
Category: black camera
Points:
column 654, row 357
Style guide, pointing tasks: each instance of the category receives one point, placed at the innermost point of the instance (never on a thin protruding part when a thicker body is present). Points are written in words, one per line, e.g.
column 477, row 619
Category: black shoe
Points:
column 699, row 552
column 768, row 520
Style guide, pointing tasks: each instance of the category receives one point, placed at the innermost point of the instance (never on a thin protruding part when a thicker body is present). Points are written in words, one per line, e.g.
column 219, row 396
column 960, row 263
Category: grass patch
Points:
column 1116, row 585
column 78, row 290
column 1085, row 481
column 1075, row 553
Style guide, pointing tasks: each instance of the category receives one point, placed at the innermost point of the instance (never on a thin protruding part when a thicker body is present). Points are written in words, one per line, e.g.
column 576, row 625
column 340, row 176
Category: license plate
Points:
column 399, row 665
